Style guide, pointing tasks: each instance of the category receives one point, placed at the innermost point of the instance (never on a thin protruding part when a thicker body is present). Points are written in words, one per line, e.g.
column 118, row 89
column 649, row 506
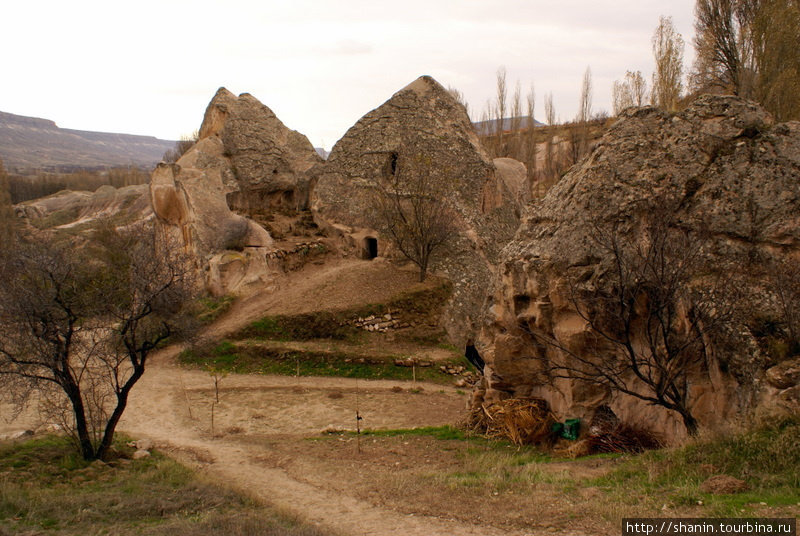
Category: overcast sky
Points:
column 151, row 66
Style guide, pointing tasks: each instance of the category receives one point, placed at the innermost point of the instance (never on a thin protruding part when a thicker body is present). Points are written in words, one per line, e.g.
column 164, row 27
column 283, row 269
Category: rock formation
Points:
column 270, row 163
column 70, row 208
column 727, row 174
column 245, row 161
column 424, row 127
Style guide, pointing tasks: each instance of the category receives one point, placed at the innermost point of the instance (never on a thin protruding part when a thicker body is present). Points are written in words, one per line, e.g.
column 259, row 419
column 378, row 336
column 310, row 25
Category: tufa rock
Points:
column 246, row 161
column 421, row 131
column 784, row 375
column 727, row 173
column 514, row 175
column 270, row 162
column 70, row 208
column 141, row 453
column 144, row 444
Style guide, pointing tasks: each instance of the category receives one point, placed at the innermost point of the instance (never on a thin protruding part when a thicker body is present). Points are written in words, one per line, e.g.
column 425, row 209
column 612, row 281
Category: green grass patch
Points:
column 227, row 356
column 210, row 308
column 304, row 327
column 443, row 433
column 45, row 488
column 767, row 458
column 500, row 466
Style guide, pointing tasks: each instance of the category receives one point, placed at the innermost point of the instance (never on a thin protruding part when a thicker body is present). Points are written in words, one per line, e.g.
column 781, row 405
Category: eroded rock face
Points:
column 123, row 206
column 245, row 162
column 269, row 162
column 424, row 127
column 728, row 172
column 515, row 176
column 189, row 198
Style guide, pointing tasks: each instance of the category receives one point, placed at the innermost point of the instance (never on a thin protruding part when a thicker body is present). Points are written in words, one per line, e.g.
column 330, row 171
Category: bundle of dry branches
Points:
column 623, row 438
column 523, row 421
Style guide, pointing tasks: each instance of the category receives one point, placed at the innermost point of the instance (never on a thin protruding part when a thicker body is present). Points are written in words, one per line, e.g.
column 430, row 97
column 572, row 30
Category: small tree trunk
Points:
column 81, row 427
column 116, row 415
column 690, row 423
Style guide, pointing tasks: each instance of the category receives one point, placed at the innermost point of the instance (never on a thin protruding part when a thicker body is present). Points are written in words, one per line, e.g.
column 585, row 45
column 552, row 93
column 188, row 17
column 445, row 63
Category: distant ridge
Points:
column 485, row 128
column 28, row 143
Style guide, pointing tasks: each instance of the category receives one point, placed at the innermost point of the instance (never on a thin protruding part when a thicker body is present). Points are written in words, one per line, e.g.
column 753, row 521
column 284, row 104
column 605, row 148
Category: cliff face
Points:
column 719, row 170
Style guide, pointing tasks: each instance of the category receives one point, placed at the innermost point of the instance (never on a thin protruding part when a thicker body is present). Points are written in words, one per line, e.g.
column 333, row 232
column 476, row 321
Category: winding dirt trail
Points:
column 172, row 406
column 160, row 410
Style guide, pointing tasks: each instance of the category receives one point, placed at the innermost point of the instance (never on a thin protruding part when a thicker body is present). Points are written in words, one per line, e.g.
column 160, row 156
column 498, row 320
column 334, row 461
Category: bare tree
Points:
column 181, row 146
column 650, row 314
column 459, row 97
column 621, row 97
column 410, row 202
column 776, row 57
column 550, row 117
column 668, row 75
column 500, row 107
column 723, row 46
column 581, row 145
column 631, row 91
column 585, row 110
column 531, row 140
column 77, row 325
column 749, row 48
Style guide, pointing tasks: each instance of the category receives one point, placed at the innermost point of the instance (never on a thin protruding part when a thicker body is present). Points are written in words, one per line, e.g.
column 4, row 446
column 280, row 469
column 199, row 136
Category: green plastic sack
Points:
column 569, row 429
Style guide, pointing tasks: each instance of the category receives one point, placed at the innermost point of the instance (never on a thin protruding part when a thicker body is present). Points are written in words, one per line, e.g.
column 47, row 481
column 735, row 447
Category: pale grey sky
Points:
column 150, row 67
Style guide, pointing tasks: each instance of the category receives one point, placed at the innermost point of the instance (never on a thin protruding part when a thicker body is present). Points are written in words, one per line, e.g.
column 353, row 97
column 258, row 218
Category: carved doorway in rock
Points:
column 369, row 248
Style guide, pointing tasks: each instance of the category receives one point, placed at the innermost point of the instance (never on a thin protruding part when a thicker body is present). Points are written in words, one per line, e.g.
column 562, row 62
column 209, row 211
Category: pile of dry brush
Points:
column 529, row 421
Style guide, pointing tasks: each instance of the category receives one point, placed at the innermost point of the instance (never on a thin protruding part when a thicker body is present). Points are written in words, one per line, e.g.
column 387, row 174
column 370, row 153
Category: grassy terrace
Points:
column 325, row 343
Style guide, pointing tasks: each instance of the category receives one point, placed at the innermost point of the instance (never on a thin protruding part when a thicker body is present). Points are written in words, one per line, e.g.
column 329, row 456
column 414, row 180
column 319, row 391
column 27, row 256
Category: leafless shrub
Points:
column 651, row 314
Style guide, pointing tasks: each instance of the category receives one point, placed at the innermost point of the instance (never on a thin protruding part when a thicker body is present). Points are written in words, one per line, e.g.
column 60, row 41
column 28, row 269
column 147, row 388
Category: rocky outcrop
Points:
column 424, row 128
column 270, row 163
column 65, row 209
column 515, row 176
column 727, row 173
column 245, row 162
column 189, row 198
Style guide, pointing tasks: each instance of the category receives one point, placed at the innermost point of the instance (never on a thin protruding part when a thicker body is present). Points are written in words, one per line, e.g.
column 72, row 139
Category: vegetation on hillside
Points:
column 328, row 343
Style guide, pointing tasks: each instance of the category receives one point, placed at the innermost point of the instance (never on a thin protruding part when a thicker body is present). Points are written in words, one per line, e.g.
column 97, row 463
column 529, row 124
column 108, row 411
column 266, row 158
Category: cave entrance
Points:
column 370, row 248
column 472, row 355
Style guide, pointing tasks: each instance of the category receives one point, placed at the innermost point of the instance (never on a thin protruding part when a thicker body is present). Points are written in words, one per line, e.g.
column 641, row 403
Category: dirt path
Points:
column 172, row 406
column 273, row 408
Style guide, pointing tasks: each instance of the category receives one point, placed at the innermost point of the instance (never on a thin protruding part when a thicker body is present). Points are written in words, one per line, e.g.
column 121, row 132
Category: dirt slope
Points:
column 336, row 284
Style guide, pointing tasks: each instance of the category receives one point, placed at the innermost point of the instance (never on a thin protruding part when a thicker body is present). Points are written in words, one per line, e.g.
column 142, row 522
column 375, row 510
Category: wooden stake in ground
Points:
column 358, row 422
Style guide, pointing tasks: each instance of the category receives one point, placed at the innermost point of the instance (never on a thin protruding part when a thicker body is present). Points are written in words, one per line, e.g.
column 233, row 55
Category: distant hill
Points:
column 32, row 143
column 485, row 128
